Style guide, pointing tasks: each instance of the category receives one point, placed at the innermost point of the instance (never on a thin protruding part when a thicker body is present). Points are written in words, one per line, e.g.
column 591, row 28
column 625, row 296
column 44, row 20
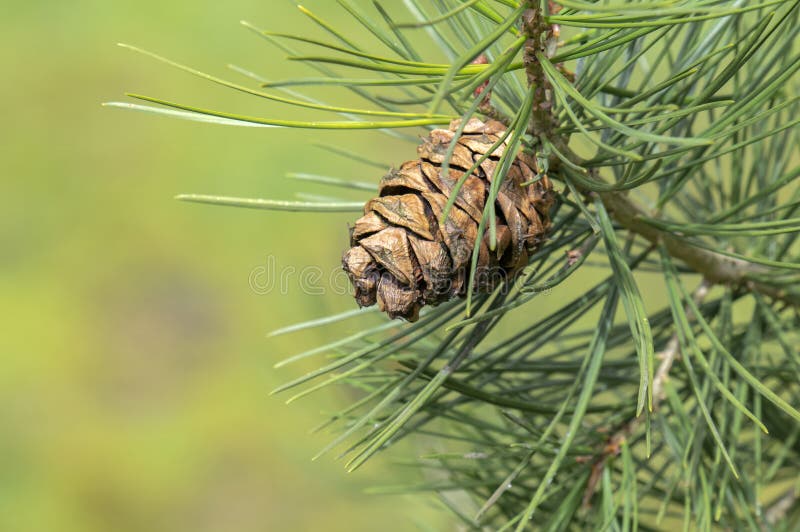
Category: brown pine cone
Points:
column 403, row 258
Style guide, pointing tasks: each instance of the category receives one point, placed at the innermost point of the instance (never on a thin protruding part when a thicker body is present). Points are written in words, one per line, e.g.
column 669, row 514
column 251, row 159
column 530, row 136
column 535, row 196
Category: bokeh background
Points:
column 135, row 364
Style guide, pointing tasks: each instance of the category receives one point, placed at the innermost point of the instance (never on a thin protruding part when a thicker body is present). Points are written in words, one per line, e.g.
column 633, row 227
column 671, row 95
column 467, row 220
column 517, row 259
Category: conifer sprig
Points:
column 671, row 128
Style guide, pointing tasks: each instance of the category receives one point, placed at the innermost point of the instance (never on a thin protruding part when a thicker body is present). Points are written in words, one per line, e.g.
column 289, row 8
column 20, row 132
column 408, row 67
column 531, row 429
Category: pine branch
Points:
column 643, row 88
column 713, row 266
column 542, row 38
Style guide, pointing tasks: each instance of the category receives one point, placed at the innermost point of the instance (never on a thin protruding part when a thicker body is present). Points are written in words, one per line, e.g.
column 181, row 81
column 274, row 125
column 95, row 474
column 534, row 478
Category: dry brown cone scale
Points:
column 402, row 258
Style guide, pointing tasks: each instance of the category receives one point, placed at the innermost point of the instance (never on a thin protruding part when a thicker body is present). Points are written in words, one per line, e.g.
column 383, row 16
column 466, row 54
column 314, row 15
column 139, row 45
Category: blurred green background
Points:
column 135, row 375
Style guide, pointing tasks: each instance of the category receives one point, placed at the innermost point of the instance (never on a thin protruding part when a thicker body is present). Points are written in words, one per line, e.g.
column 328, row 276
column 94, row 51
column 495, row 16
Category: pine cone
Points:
column 403, row 258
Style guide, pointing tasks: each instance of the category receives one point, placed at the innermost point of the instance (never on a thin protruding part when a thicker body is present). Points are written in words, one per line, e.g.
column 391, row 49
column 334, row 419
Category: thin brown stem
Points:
column 715, row 267
column 541, row 38
column 781, row 507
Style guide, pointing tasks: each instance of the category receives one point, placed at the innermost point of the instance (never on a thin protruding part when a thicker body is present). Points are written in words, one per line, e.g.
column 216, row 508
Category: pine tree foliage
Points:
column 670, row 128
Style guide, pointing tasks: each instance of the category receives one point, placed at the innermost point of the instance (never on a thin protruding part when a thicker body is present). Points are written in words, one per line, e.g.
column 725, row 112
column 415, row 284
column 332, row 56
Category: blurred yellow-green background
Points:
column 135, row 364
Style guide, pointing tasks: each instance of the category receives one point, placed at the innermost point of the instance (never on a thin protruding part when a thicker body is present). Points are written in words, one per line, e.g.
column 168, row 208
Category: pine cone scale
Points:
column 471, row 196
column 366, row 225
column 407, row 210
column 364, row 275
column 407, row 179
column 391, row 249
